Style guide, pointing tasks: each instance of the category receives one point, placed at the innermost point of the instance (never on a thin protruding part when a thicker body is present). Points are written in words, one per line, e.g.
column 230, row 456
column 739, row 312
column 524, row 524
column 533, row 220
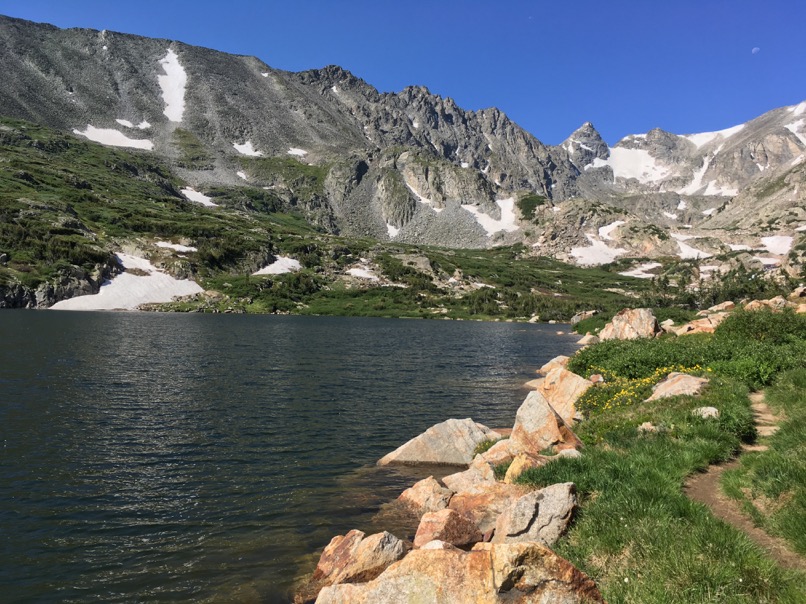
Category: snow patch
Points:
column 682, row 205
column 298, row 152
column 710, row 211
column 605, row 232
column 241, row 175
column 777, row 244
column 424, row 200
column 767, row 261
column 670, row 216
column 280, row 266
column 689, row 253
column 633, row 163
column 362, row 273
column 392, row 230
column 144, row 125
column 508, row 221
column 176, row 246
column 799, row 108
column 415, row 124
column 597, row 253
column 794, row 128
column 128, row 291
column 642, row 271
column 715, row 189
column 681, row 237
column 696, row 183
column 173, row 85
column 126, row 123
column 801, row 229
column 193, row 195
column 265, row 74
column 114, row 138
column 703, row 138
column 739, row 247
column 465, row 164
column 247, row 149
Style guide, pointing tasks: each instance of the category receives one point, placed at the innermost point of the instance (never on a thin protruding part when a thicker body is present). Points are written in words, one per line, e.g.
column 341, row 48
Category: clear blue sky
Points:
column 627, row 66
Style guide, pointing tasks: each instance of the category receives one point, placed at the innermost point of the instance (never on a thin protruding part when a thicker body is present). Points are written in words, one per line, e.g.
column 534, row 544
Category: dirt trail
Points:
column 705, row 488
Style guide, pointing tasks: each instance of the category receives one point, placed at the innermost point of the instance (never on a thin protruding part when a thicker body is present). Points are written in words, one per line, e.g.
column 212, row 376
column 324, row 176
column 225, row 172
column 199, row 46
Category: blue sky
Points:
column 627, row 66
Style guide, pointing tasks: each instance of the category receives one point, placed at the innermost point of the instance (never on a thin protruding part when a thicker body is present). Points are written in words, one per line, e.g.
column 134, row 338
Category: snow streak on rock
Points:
column 173, row 85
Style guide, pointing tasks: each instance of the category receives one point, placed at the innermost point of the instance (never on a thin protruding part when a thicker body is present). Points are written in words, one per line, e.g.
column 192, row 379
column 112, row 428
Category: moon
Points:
column 755, row 50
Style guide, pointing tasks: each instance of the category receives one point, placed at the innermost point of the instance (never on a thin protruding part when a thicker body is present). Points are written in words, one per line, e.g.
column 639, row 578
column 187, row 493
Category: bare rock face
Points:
column 538, row 427
column 353, row 558
column 541, row 516
column 426, row 496
column 707, row 324
column 451, row 442
column 449, row 526
column 485, row 505
column 677, row 384
column 476, row 477
column 558, row 361
column 562, row 389
column 490, row 574
column 521, row 463
column 588, row 340
column 497, row 454
column 631, row 324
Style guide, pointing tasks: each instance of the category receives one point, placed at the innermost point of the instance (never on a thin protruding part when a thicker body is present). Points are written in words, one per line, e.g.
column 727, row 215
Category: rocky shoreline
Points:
column 481, row 536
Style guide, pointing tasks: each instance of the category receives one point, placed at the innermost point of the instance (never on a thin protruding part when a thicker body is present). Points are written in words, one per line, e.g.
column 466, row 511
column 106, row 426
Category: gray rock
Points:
column 706, row 412
column 542, row 516
column 451, row 442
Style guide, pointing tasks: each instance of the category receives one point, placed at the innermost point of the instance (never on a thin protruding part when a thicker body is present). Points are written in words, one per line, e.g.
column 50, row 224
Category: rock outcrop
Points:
column 677, row 384
column 489, row 574
column 538, row 427
column 541, row 516
column 449, row 526
column 451, row 442
column 426, row 496
column 631, row 324
column 562, row 389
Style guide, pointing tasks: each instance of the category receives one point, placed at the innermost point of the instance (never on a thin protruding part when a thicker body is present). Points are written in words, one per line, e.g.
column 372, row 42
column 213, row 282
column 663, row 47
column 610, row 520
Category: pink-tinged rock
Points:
column 538, row 427
column 451, row 442
column 707, row 324
column 631, row 324
column 449, row 526
column 498, row 454
column 484, row 505
column 425, row 496
column 353, row 558
column 562, row 389
column 542, row 516
column 797, row 294
column 800, row 309
column 597, row 378
column 533, row 384
column 476, row 477
column 558, row 361
column 515, row 573
column 724, row 307
column 521, row 463
column 588, row 340
column 677, row 384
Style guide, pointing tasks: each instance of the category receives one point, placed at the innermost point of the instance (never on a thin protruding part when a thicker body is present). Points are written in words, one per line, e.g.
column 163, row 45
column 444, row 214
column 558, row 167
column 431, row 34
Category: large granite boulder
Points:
column 523, row 462
column 480, row 474
column 449, row 526
column 426, row 496
column 516, row 573
column 677, row 384
column 562, row 389
column 353, row 558
column 451, row 442
column 541, row 516
column 538, row 427
column 558, row 361
column 484, row 505
column 631, row 324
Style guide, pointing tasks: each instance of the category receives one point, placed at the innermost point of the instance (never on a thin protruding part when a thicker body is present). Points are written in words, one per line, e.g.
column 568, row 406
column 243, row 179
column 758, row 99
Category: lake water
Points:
column 165, row 457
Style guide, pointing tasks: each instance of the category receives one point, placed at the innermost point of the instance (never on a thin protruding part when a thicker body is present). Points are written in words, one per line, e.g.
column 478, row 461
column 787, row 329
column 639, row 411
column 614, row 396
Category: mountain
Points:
column 408, row 167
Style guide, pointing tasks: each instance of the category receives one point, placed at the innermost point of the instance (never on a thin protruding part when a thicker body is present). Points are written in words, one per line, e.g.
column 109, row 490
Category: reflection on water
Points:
column 166, row 457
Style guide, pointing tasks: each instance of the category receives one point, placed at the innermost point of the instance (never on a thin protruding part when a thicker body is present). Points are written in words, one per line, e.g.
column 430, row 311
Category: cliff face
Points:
column 409, row 166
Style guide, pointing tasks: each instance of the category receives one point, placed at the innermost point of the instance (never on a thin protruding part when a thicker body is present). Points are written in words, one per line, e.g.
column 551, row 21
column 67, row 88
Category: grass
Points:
column 636, row 533
column 771, row 485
